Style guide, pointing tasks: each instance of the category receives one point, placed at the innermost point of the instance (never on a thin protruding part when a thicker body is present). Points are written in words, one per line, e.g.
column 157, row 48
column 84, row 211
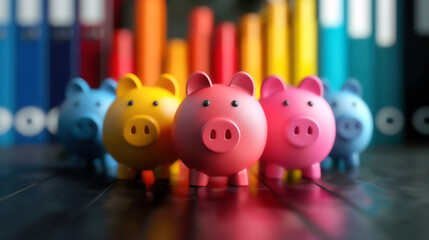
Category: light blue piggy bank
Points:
column 81, row 119
column 354, row 124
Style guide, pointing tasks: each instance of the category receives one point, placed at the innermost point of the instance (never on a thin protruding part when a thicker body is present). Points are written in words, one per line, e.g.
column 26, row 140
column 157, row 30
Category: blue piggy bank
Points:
column 81, row 118
column 354, row 123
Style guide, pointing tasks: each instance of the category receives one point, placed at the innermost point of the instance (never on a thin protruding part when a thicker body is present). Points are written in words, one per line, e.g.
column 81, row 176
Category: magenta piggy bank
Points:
column 219, row 130
column 301, row 127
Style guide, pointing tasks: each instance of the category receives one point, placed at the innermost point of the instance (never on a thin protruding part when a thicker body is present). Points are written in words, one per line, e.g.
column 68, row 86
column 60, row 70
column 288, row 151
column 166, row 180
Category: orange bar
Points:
column 150, row 28
column 177, row 63
column 251, row 48
column 201, row 21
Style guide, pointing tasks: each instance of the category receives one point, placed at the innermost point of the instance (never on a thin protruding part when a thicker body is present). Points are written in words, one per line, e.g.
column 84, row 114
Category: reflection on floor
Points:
column 43, row 197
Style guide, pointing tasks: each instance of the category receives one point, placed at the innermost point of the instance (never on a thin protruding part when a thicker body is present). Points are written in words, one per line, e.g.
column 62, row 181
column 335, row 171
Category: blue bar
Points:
column 7, row 76
column 32, row 77
column 390, row 119
column 333, row 67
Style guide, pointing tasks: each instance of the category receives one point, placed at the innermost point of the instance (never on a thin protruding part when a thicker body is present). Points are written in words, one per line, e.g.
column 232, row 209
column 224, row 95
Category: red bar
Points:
column 117, row 7
column 200, row 33
column 90, row 61
column 122, row 57
column 224, row 56
column 95, row 42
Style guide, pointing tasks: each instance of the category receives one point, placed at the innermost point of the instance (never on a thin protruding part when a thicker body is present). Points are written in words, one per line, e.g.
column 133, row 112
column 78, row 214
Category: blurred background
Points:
column 384, row 44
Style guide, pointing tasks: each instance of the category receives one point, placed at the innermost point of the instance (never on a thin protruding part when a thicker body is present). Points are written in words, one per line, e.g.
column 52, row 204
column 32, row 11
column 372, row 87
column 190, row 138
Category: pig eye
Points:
column 130, row 103
column 310, row 103
column 97, row 104
column 206, row 103
column 76, row 104
column 155, row 103
column 286, row 103
column 334, row 104
column 234, row 103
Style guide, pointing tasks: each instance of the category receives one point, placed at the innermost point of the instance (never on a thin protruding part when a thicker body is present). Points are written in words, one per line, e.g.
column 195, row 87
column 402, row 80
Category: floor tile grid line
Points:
column 316, row 230
column 28, row 187
column 144, row 228
column 352, row 205
column 87, row 206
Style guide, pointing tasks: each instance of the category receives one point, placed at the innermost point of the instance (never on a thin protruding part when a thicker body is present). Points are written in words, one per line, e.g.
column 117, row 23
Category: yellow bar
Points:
column 276, row 39
column 177, row 63
column 304, row 39
column 251, row 48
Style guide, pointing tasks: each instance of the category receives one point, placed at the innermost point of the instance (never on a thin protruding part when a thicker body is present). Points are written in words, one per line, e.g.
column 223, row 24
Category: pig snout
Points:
column 349, row 128
column 220, row 135
column 141, row 131
column 85, row 128
column 302, row 131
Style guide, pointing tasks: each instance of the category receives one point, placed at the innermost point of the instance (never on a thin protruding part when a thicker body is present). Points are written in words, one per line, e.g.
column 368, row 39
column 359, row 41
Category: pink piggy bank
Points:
column 301, row 127
column 219, row 130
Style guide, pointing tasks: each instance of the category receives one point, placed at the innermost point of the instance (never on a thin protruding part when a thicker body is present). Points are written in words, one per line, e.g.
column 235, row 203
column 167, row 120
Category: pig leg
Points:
column 147, row 177
column 335, row 163
column 352, row 161
column 162, row 172
column 94, row 165
column 327, row 163
column 109, row 161
column 294, row 175
column 77, row 162
column 312, row 172
column 197, row 178
column 274, row 171
column 125, row 172
column 239, row 179
column 110, row 166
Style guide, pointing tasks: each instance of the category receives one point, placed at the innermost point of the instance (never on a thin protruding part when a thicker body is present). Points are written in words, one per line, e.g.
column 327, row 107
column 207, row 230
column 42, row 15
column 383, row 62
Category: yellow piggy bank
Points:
column 137, row 126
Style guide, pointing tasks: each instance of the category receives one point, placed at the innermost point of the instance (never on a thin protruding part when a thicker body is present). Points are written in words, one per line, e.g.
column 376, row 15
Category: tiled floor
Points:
column 43, row 197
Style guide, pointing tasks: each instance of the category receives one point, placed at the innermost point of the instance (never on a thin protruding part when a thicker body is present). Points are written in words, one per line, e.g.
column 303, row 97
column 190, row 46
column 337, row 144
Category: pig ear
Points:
column 109, row 85
column 168, row 82
column 353, row 85
column 197, row 81
column 128, row 83
column 326, row 86
column 244, row 81
column 312, row 84
column 271, row 85
column 75, row 86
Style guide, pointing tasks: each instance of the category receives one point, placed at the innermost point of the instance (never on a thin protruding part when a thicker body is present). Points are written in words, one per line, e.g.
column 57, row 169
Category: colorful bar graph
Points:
column 276, row 39
column 176, row 63
column 95, row 20
column 389, row 118
column 150, row 30
column 63, row 43
column 7, row 72
column 416, row 62
column 32, row 71
column 122, row 55
column 200, row 34
column 224, row 55
column 251, row 48
column 361, row 49
column 332, row 47
column 304, row 39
